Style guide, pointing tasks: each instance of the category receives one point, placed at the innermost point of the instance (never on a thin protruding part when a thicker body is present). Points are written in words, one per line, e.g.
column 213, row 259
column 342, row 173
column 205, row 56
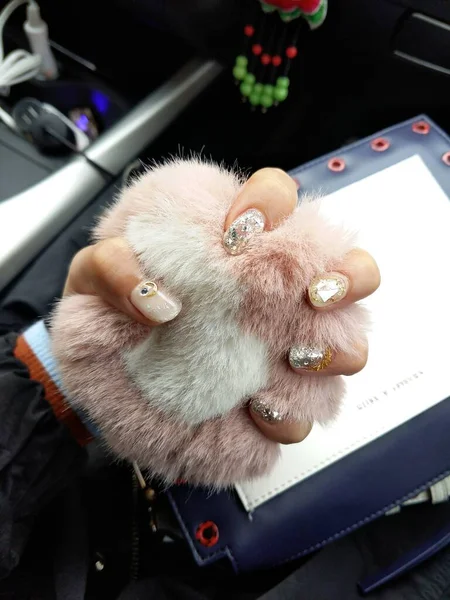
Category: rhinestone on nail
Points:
column 265, row 412
column 309, row 358
column 149, row 289
column 242, row 230
column 327, row 290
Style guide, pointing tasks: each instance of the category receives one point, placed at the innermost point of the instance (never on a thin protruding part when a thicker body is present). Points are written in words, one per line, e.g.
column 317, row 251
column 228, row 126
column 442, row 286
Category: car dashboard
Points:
column 157, row 77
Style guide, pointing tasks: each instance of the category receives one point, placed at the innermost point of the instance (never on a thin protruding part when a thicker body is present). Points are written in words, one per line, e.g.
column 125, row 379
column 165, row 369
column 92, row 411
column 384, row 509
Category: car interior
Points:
column 147, row 80
column 139, row 82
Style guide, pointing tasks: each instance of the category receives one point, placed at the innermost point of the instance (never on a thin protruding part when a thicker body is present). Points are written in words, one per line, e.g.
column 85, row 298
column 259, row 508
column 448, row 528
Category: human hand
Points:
column 110, row 270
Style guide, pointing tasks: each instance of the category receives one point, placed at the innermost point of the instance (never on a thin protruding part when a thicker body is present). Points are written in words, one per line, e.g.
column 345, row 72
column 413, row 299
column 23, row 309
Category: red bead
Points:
column 276, row 61
column 291, row 52
column 307, row 6
column 249, row 30
column 266, row 59
column 256, row 49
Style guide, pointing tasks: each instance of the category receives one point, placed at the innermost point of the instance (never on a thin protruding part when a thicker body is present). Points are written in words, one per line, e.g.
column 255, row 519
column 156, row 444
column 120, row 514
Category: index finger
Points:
column 268, row 197
column 271, row 191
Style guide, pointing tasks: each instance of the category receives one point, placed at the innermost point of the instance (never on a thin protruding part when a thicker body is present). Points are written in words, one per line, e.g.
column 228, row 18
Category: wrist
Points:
column 33, row 348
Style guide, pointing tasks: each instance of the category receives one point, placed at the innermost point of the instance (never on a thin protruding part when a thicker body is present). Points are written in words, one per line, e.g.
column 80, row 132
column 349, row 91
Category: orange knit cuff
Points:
column 62, row 410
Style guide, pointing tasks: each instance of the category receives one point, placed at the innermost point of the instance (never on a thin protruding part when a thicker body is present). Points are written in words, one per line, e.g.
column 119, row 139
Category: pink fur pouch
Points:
column 174, row 398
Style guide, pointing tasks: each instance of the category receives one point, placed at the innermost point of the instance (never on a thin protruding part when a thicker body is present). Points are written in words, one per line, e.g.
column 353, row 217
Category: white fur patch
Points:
column 200, row 365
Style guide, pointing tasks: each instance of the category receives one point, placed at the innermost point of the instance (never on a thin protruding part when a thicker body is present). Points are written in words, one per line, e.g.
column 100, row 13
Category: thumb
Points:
column 110, row 270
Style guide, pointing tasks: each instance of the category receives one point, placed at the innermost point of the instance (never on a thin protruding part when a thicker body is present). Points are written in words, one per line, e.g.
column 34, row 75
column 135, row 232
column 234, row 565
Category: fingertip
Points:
column 110, row 270
column 154, row 302
column 271, row 191
column 136, row 315
column 275, row 428
column 313, row 361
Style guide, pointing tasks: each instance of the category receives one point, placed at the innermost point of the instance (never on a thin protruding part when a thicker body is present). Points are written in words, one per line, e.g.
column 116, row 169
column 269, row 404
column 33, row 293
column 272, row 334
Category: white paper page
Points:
column 403, row 219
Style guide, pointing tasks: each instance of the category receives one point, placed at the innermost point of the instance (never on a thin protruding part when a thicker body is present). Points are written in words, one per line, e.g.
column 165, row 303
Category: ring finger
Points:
column 312, row 360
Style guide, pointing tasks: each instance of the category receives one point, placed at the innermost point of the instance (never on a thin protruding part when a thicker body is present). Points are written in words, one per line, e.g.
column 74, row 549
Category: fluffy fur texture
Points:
column 217, row 453
column 174, row 399
column 275, row 273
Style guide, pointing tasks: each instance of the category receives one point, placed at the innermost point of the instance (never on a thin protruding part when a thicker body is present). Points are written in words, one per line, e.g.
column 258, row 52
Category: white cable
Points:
column 36, row 30
column 19, row 65
column 7, row 119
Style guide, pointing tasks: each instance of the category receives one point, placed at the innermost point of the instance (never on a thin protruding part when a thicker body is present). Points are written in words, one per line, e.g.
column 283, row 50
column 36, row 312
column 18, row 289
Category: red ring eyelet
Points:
column 336, row 165
column 380, row 144
column 207, row 534
column 421, row 127
column 446, row 159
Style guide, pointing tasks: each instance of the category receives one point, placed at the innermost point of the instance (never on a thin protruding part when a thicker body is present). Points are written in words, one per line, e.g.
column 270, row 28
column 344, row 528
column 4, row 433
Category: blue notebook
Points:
column 391, row 440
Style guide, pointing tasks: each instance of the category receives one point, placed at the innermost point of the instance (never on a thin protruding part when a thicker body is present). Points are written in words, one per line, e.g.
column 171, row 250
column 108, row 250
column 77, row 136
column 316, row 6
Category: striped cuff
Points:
column 33, row 348
column 38, row 340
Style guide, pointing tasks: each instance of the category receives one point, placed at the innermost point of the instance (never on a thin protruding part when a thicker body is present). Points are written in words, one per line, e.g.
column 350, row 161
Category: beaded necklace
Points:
column 261, row 70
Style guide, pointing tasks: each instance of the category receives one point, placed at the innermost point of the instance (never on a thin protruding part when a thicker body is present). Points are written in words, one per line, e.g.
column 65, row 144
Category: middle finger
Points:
column 357, row 278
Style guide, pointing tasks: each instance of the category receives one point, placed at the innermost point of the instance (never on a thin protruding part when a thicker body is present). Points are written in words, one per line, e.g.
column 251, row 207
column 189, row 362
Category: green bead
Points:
column 268, row 90
column 267, row 8
column 266, row 101
column 246, row 89
column 249, row 78
column 283, row 82
column 290, row 15
column 280, row 94
column 258, row 88
column 241, row 61
column 318, row 17
column 239, row 73
column 254, row 99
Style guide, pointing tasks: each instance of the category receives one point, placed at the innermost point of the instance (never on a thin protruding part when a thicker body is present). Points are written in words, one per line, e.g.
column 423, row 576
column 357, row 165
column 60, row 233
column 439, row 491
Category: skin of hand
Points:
column 110, row 270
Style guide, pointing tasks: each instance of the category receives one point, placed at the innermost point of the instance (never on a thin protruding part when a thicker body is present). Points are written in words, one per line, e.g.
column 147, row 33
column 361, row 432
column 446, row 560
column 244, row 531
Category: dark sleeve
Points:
column 38, row 454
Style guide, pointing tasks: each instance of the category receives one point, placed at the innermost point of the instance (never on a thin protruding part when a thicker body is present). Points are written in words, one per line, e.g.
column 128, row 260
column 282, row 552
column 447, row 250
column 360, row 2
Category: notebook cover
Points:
column 365, row 483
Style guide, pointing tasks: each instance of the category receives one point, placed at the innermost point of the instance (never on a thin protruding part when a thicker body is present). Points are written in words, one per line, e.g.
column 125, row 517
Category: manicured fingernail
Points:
column 241, row 231
column 264, row 411
column 309, row 358
column 155, row 303
column 328, row 289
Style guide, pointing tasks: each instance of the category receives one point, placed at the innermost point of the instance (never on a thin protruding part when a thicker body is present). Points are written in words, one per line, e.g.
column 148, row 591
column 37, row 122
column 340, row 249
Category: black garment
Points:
column 64, row 510
column 38, row 458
